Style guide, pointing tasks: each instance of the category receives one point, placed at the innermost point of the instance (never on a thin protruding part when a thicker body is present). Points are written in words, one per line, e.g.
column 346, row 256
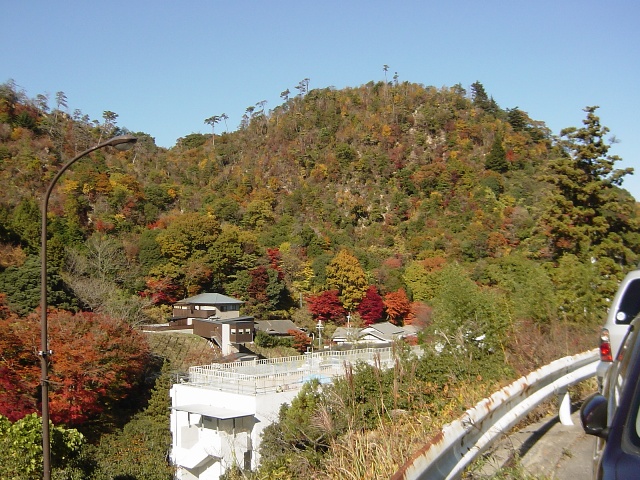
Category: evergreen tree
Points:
column 517, row 119
column 294, row 442
column 22, row 287
column 142, row 448
column 588, row 214
column 497, row 158
column 482, row 100
column 479, row 95
column 25, row 221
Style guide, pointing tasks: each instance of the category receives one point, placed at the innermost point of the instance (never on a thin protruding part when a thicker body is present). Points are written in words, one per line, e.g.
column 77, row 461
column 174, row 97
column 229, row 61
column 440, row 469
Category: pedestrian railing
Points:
column 255, row 377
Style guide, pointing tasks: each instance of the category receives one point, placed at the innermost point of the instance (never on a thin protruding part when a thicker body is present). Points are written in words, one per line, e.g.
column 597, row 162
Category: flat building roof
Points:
column 211, row 411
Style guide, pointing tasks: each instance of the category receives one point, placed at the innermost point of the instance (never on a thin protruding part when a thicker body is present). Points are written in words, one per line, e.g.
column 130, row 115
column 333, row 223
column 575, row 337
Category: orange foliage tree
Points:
column 398, row 307
column 96, row 362
column 300, row 340
column 19, row 370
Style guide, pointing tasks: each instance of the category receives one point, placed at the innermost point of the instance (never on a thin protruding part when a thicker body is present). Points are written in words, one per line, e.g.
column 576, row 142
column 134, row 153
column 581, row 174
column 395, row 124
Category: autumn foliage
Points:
column 327, row 306
column 300, row 340
column 398, row 307
column 96, row 362
column 371, row 308
column 19, row 368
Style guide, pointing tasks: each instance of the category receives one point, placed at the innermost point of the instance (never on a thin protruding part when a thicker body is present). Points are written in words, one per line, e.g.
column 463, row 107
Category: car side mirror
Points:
column 593, row 415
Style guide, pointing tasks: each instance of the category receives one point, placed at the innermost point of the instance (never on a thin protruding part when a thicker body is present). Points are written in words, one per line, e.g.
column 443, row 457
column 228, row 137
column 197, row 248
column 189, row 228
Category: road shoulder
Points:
column 546, row 449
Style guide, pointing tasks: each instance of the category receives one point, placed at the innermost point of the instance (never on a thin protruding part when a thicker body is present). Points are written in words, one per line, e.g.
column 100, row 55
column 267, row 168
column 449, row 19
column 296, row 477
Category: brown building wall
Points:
column 240, row 331
column 192, row 312
column 207, row 329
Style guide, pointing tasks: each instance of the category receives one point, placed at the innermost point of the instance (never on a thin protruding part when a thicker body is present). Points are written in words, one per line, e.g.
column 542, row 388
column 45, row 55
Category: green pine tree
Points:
column 588, row 214
column 496, row 160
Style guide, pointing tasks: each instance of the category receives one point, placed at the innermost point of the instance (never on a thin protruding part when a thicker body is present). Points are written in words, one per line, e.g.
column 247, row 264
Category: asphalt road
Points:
column 545, row 450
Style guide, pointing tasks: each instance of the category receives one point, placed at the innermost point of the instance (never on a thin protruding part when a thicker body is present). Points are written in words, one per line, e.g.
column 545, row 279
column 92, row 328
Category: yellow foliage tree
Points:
column 345, row 273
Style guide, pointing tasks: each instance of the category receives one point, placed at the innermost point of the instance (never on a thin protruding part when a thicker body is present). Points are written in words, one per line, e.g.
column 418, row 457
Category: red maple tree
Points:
column 161, row 291
column 275, row 261
column 371, row 307
column 326, row 306
column 96, row 362
column 19, row 367
column 257, row 289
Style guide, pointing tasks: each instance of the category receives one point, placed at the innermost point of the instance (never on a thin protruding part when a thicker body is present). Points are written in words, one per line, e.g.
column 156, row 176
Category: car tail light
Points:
column 605, row 346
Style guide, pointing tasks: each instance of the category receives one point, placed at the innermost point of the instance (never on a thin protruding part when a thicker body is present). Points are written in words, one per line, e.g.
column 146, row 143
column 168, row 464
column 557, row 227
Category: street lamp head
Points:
column 122, row 142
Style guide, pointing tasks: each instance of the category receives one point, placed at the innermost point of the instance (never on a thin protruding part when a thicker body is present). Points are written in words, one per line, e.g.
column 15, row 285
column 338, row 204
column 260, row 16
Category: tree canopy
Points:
column 97, row 362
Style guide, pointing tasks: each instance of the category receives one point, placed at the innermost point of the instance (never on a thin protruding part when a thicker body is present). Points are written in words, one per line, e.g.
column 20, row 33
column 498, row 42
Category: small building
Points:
column 383, row 332
column 411, row 331
column 380, row 333
column 346, row 335
column 280, row 327
column 227, row 333
column 205, row 305
column 215, row 317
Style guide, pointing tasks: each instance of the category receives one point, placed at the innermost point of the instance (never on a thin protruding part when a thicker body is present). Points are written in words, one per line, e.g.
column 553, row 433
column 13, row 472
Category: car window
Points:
column 629, row 303
column 631, row 439
column 616, row 380
column 616, row 377
column 634, row 433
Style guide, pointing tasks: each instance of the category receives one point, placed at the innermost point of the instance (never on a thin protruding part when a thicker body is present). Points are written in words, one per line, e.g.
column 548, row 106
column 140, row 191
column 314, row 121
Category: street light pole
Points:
column 122, row 142
column 320, row 327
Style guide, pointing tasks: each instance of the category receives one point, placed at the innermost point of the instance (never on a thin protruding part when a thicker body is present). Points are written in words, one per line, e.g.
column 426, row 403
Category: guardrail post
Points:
column 564, row 409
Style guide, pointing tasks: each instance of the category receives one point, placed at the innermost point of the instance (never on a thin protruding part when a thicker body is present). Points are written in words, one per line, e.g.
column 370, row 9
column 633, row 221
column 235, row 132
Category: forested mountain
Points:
column 406, row 178
column 424, row 205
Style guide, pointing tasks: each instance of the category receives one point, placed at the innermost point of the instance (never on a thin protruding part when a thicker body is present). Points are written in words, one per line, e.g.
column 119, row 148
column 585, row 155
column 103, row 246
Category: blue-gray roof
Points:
column 387, row 328
column 211, row 299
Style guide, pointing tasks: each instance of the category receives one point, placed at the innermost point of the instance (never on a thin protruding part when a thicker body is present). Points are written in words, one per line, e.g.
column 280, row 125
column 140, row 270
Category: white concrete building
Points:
column 218, row 415
column 213, row 430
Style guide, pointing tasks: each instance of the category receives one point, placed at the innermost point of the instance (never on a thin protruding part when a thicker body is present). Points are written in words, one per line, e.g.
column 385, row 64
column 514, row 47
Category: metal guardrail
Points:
column 460, row 442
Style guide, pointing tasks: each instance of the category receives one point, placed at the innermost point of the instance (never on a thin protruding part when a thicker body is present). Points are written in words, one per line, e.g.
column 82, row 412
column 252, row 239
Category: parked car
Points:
column 613, row 415
column 624, row 308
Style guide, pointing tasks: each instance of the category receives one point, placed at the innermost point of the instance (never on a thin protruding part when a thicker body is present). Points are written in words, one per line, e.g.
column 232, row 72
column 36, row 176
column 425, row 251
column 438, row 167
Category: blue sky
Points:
column 164, row 66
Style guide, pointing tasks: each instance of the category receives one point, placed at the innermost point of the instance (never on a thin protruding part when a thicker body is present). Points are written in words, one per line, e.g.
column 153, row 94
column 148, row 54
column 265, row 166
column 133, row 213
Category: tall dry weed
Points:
column 359, row 455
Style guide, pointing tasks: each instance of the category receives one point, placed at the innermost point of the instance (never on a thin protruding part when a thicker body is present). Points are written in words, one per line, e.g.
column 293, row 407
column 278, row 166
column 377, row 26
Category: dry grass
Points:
column 378, row 453
column 183, row 350
column 532, row 346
